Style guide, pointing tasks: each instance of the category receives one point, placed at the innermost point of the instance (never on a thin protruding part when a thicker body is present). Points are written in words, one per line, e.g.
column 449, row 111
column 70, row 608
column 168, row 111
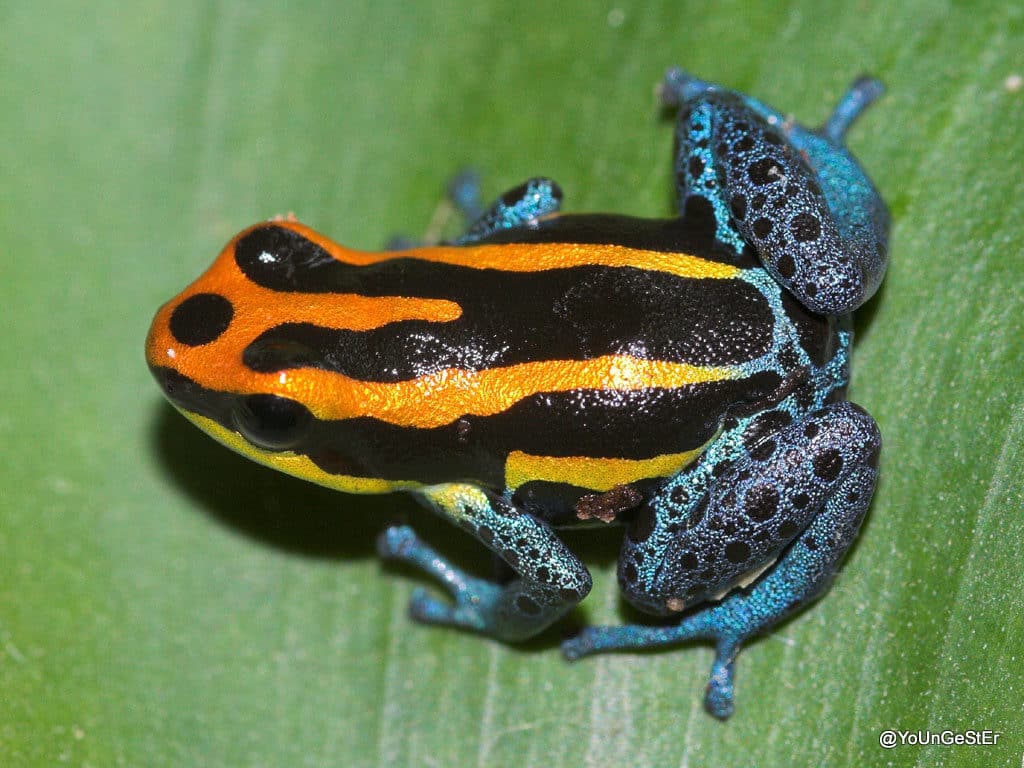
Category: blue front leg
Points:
column 797, row 195
column 800, row 496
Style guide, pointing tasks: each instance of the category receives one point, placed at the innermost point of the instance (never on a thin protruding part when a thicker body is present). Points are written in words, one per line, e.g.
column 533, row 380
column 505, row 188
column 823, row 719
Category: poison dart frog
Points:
column 684, row 376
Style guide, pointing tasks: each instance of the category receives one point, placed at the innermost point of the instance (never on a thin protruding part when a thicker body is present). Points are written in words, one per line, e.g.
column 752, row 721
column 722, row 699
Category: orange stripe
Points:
column 530, row 257
column 593, row 474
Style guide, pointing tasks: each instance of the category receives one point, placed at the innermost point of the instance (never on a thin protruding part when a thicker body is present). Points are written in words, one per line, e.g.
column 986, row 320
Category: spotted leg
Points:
column 522, row 206
column 799, row 496
column 797, row 195
column 550, row 580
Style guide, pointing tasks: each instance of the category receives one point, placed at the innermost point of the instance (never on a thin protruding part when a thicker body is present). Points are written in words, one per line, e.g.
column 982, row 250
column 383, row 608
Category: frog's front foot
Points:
column 399, row 543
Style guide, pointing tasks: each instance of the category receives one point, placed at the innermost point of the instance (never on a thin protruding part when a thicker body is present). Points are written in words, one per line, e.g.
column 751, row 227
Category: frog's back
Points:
column 588, row 353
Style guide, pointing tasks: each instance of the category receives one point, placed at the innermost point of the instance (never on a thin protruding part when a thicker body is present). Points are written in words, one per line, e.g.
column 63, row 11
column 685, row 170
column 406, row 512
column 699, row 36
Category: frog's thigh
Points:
column 760, row 185
column 550, row 579
column 820, row 470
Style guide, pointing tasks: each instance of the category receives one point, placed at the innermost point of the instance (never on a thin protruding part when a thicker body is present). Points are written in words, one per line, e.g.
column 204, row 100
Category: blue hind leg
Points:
column 801, row 494
column 795, row 194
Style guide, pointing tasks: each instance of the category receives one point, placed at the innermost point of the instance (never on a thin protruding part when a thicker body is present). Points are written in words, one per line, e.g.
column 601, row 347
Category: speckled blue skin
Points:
column 779, row 495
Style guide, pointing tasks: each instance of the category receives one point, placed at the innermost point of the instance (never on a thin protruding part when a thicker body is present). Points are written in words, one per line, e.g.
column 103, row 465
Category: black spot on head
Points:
column 696, row 167
column 762, row 227
column 201, row 318
column 527, row 605
column 786, row 266
column 762, row 503
column 643, row 525
column 737, row 551
column 828, row 464
column 805, row 227
column 764, row 171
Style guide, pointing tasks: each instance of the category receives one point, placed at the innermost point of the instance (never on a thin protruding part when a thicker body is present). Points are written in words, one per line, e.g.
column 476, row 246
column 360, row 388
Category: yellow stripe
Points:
column 298, row 464
column 593, row 474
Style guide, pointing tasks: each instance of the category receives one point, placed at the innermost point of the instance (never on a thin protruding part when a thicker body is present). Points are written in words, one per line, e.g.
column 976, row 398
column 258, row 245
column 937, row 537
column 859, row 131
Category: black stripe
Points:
column 507, row 317
column 632, row 425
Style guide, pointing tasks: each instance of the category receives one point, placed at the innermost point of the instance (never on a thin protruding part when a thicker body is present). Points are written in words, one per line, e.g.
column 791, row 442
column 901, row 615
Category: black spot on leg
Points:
column 828, row 464
column 872, row 459
column 689, row 561
column 764, row 171
column 800, row 500
column 811, row 430
column 737, row 551
column 762, row 503
column 744, row 144
column 629, row 573
column 759, row 200
column 762, row 227
column 788, row 530
column 786, row 266
column 738, row 206
column 763, row 450
column 805, row 227
column 696, row 167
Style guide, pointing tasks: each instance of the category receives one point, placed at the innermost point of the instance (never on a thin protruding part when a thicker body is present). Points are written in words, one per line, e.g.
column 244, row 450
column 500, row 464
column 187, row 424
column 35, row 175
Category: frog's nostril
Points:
column 201, row 318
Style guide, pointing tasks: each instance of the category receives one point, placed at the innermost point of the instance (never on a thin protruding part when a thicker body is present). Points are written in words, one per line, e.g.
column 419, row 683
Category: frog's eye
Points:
column 271, row 422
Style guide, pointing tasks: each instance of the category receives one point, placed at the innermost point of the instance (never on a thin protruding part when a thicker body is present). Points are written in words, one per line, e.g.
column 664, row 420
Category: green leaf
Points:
column 165, row 603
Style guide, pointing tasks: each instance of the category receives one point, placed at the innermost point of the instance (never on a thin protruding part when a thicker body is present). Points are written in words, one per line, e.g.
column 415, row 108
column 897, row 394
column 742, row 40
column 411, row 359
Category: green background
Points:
column 165, row 603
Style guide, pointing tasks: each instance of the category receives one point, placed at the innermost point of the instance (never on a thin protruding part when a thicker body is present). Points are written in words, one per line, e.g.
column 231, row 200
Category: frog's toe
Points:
column 679, row 86
column 718, row 697
column 577, row 647
column 395, row 541
column 426, row 608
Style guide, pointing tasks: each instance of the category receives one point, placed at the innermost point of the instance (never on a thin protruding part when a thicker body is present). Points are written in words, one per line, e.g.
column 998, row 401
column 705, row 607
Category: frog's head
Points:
column 235, row 352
